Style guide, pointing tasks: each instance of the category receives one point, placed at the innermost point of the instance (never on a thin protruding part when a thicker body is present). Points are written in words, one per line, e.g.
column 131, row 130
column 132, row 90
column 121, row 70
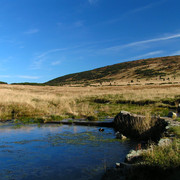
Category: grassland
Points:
column 56, row 102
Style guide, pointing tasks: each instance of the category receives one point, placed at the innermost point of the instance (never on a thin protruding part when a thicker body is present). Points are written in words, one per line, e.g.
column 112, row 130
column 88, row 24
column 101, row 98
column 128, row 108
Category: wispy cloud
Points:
column 55, row 63
column 5, row 76
column 117, row 48
column 32, row 31
column 78, row 24
column 70, row 25
column 41, row 58
column 149, row 54
column 10, row 41
column 49, row 52
column 136, row 10
column 175, row 53
column 93, row 1
column 4, row 63
column 59, row 24
column 20, row 76
column 148, row 6
column 37, row 63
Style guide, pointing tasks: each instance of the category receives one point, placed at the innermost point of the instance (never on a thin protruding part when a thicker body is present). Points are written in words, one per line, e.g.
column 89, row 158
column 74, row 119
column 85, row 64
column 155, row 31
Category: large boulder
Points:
column 138, row 126
column 129, row 124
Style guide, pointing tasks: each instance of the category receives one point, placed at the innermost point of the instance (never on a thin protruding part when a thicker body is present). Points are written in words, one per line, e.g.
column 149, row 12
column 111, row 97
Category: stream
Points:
column 50, row 152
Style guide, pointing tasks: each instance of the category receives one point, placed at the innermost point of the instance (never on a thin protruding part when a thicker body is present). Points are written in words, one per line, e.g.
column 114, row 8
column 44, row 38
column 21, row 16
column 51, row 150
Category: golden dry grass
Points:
column 52, row 100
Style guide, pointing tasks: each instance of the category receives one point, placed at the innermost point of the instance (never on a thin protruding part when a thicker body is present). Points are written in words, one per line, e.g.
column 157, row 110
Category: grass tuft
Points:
column 163, row 156
column 175, row 130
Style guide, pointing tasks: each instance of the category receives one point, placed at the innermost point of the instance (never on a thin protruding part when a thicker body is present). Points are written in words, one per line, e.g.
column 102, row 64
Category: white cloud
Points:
column 55, row 63
column 175, row 53
column 70, row 26
column 117, row 48
column 146, row 7
column 37, row 63
column 11, row 41
column 20, row 76
column 133, row 11
column 49, row 52
column 39, row 59
column 59, row 24
column 32, row 31
column 5, row 76
column 78, row 24
column 149, row 54
column 93, row 1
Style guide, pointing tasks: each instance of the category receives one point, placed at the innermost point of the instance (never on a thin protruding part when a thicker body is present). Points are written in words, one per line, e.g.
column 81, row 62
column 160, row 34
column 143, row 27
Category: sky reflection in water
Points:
column 58, row 152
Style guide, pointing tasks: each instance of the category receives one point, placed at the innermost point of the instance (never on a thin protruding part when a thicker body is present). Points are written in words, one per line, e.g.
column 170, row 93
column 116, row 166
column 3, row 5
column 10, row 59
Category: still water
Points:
column 51, row 152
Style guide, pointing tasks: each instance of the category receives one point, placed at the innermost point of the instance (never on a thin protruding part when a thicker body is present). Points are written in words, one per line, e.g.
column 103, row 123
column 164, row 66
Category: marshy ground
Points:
column 56, row 103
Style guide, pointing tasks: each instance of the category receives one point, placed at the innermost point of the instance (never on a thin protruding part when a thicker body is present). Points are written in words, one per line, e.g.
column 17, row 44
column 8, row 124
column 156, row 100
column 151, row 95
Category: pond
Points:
column 47, row 152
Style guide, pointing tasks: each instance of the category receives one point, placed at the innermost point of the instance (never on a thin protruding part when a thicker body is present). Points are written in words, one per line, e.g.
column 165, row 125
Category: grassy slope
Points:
column 140, row 69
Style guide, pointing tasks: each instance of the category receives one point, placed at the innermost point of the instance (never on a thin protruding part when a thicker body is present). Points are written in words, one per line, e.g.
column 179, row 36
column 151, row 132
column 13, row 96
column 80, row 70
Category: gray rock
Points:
column 118, row 165
column 164, row 142
column 134, row 155
column 120, row 136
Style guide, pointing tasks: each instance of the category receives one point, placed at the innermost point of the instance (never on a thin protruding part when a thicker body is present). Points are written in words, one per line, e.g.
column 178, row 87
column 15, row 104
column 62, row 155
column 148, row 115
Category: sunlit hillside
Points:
column 162, row 69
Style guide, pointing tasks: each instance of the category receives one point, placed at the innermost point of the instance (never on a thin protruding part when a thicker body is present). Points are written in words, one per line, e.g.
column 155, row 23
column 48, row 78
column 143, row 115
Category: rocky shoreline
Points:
column 132, row 163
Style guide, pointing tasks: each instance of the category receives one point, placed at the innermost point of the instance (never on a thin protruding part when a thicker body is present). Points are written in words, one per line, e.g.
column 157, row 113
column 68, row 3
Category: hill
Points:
column 161, row 68
column 28, row 83
column 1, row 82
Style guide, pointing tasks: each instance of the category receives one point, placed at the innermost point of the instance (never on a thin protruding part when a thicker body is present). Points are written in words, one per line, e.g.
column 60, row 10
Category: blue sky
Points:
column 44, row 39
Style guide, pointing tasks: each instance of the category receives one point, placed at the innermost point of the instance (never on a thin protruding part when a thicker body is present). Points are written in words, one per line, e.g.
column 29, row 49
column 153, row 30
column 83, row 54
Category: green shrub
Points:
column 91, row 118
column 163, row 156
column 178, row 119
column 56, row 118
column 38, row 120
column 175, row 130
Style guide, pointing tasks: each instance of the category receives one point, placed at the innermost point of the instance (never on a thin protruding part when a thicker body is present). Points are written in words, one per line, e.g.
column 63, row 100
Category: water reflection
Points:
column 58, row 152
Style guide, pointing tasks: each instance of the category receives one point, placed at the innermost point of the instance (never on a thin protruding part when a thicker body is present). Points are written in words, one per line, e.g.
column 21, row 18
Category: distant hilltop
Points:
column 1, row 82
column 161, row 70
column 152, row 69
